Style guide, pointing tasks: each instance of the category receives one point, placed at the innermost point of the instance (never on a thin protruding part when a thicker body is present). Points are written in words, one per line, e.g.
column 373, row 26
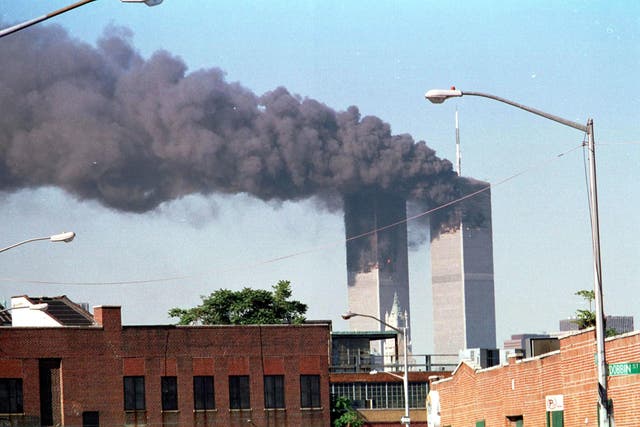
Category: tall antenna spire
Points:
column 458, row 153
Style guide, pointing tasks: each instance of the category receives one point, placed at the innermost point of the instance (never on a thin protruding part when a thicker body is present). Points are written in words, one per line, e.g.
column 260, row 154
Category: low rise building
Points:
column 103, row 373
column 554, row 389
column 374, row 385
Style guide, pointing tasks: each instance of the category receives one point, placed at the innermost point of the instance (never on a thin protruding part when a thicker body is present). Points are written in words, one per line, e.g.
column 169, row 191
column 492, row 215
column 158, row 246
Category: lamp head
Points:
column 63, row 237
column 438, row 96
column 147, row 2
column 348, row 315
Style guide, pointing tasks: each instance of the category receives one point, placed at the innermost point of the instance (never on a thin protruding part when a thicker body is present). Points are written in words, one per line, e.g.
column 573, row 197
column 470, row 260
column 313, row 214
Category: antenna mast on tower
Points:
column 458, row 153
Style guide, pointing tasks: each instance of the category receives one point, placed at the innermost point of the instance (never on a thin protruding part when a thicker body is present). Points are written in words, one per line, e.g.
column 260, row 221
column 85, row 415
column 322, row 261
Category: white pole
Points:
column 597, row 281
column 405, row 377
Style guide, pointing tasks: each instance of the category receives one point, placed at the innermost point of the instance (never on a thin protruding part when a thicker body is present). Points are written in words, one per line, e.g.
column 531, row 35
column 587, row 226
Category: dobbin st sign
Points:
column 632, row 368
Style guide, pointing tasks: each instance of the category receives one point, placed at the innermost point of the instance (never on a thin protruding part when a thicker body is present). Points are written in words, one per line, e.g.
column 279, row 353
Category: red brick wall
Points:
column 520, row 387
column 94, row 361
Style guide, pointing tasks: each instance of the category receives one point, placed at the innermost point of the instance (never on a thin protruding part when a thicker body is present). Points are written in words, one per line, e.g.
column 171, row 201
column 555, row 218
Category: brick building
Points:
column 112, row 375
column 555, row 389
column 380, row 398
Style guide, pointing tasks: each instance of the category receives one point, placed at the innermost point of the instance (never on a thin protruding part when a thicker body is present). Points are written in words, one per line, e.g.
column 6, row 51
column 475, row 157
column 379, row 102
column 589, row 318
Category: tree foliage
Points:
column 245, row 307
column 587, row 318
column 343, row 414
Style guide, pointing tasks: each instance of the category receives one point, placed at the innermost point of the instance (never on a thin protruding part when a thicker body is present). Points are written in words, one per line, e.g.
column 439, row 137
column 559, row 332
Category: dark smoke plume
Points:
column 105, row 124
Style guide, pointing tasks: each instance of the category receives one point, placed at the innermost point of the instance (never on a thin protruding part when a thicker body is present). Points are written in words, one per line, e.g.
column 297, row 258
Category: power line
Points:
column 309, row 250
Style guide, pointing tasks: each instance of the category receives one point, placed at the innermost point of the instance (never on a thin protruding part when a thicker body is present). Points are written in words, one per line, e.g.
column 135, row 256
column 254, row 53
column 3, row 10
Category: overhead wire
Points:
column 305, row 251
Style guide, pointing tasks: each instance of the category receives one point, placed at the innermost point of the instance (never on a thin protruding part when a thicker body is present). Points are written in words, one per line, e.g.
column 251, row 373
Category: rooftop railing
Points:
column 363, row 362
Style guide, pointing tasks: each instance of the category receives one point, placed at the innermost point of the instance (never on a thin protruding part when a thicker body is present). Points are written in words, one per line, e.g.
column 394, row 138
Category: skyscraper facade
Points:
column 462, row 282
column 377, row 263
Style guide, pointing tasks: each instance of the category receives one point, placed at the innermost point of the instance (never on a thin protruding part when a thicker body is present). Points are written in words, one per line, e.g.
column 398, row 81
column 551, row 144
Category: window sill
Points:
column 275, row 409
column 170, row 411
column 198, row 411
column 241, row 410
column 319, row 408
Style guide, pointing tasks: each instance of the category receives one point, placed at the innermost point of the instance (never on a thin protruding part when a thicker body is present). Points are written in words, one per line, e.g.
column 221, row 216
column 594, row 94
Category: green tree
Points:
column 343, row 414
column 245, row 307
column 587, row 318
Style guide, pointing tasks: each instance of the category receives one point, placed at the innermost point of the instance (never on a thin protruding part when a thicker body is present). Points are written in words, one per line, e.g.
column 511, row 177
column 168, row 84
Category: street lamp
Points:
column 405, row 377
column 438, row 96
column 38, row 307
column 34, row 21
column 62, row 237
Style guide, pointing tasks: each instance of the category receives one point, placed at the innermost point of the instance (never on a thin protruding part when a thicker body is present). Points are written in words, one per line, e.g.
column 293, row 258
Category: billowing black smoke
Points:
column 103, row 123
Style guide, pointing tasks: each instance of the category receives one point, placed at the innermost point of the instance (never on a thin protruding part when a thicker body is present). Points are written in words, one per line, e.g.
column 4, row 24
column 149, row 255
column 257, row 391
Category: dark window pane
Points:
column 91, row 419
column 169, row 393
column 239, row 397
column 203, row 395
column 11, row 395
column 310, row 391
column 274, row 391
column 134, row 393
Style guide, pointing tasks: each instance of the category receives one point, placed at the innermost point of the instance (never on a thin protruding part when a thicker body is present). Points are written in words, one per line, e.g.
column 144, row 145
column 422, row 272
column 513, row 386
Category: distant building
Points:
column 480, row 357
column 5, row 315
column 621, row 324
column 529, row 345
column 377, row 261
column 462, row 283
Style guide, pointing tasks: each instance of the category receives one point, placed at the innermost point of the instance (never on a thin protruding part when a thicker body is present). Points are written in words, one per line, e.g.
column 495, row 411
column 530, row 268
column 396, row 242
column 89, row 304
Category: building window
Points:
column 310, row 391
column 203, row 393
column 515, row 420
column 134, row 394
column 91, row 419
column 418, row 395
column 239, row 395
column 381, row 395
column 378, row 395
column 11, row 396
column 169, row 386
column 274, row 391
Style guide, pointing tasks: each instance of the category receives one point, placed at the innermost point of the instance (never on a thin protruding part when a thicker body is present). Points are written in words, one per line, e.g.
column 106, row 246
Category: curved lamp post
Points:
column 62, row 237
column 34, row 21
column 38, row 307
column 438, row 96
column 406, row 420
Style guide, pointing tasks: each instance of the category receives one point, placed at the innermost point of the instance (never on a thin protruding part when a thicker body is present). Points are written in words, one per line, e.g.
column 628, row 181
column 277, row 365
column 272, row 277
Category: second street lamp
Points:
column 36, row 307
column 406, row 420
column 62, row 237
column 438, row 96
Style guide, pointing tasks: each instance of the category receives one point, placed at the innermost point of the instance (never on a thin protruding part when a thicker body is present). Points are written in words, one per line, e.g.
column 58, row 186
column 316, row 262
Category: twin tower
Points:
column 461, row 272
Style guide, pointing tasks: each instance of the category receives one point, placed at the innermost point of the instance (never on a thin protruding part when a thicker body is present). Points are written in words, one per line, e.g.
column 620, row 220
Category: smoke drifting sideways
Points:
column 105, row 124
